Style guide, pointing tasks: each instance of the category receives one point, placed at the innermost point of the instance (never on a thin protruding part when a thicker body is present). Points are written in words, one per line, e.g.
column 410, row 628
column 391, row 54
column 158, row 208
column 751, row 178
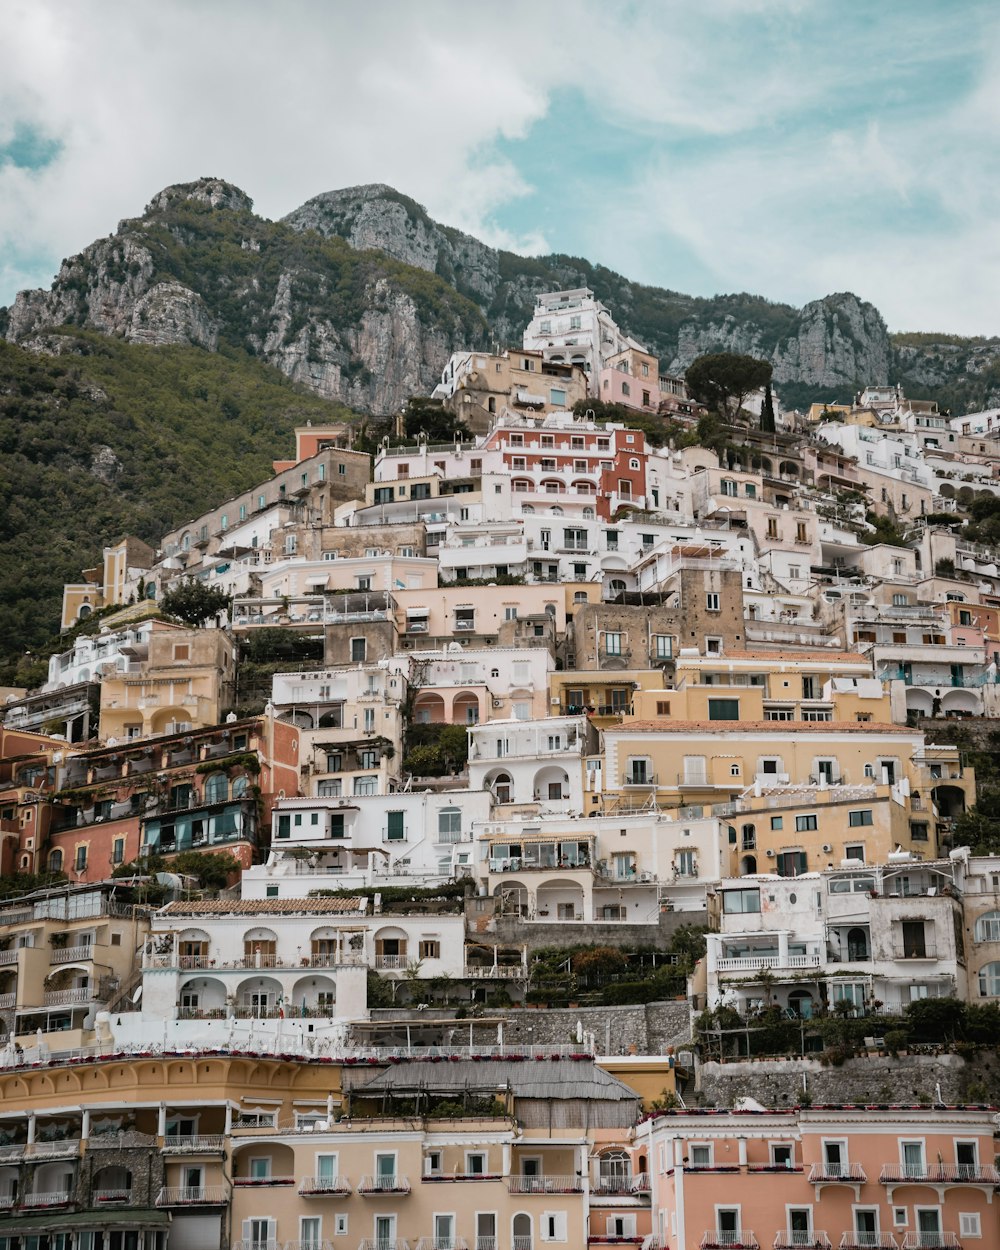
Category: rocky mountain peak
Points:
column 215, row 192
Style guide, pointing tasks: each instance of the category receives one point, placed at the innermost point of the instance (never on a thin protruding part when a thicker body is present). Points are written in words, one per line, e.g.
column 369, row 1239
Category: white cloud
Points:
column 737, row 102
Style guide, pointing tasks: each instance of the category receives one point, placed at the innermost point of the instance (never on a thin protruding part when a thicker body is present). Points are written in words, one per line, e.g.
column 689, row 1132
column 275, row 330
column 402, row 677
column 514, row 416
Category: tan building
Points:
column 186, row 682
column 111, row 582
column 476, row 386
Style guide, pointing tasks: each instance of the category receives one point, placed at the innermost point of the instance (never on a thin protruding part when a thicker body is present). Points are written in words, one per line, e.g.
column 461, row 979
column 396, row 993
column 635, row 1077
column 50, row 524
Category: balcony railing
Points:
column 831, row 1173
column 394, row 1244
column 192, row 1196
column 544, row 1184
column 317, row 1185
column 268, row 1243
column 757, row 963
column 7, row 1001
column 940, row 1173
column 260, row 1182
column 67, row 998
column 64, row 1146
column 197, row 1143
column 486, row 1243
column 391, row 963
column 8, row 957
column 109, row 1197
column 442, row 1243
column 71, row 955
column 520, row 1242
column 791, row 1240
column 50, row 1198
column 384, row 1185
column 308, row 1245
column 621, row 1184
column 931, row 1241
column 724, row 1239
column 868, row 1241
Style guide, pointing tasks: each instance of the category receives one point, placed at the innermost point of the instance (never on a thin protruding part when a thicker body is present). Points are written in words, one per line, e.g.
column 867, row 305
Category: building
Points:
column 572, row 327
column 476, row 386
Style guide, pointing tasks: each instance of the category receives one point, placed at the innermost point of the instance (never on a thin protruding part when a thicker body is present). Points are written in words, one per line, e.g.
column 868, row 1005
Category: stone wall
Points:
column 869, row 1079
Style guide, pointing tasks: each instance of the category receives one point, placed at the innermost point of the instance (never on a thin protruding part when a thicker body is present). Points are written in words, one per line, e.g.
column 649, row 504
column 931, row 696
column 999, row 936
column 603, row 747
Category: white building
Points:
column 536, row 763
column 92, row 657
column 572, row 327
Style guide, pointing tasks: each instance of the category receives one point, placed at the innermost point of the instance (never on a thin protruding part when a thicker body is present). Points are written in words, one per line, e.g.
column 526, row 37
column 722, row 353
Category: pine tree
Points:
column 767, row 412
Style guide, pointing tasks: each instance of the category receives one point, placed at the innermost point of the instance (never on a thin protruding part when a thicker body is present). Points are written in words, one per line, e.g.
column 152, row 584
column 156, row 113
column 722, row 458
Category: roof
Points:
column 265, row 907
column 826, row 657
column 129, row 1218
column 775, row 728
column 525, row 1078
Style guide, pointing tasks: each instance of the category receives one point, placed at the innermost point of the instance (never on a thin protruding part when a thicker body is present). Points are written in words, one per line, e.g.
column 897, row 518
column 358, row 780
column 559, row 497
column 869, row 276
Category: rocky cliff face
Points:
column 360, row 296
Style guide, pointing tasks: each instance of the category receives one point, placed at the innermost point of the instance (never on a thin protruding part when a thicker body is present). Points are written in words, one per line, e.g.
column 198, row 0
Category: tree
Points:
column 211, row 869
column 767, row 411
column 430, row 417
column 724, row 381
column 193, row 603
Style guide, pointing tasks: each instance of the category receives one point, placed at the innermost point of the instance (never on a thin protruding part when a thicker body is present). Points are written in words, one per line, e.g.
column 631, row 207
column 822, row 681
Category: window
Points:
column 777, row 822
column 429, row 948
column 395, row 827
column 989, row 980
column 700, row 1156
column 80, row 863
column 613, row 644
column 856, row 819
column 805, row 824
column 735, row 902
column 792, row 863
column 366, row 785
column 723, row 709
column 118, row 851
column 359, row 650
column 552, row 1226
column 729, row 487
column 713, row 602
column 968, row 1224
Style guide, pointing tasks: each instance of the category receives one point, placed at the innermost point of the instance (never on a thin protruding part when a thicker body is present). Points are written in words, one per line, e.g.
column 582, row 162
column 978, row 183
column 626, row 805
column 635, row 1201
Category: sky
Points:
column 789, row 148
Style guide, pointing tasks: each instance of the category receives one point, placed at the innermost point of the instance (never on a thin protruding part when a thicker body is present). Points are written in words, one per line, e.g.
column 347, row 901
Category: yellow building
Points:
column 123, row 564
column 184, row 681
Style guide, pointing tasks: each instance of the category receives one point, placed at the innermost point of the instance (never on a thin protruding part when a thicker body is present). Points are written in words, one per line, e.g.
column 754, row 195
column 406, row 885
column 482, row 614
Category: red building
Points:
column 208, row 789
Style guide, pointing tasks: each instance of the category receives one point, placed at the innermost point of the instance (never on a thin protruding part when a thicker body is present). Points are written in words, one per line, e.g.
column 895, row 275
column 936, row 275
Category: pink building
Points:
column 857, row 1178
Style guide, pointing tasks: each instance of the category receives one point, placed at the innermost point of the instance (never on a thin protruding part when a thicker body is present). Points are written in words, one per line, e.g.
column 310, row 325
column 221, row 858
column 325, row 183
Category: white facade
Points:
column 92, row 657
column 573, row 327
column 531, row 762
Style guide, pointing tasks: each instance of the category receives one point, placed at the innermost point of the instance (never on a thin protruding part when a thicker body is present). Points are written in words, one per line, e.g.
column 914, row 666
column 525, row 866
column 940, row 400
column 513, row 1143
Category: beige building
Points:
column 476, row 386
column 111, row 582
column 185, row 682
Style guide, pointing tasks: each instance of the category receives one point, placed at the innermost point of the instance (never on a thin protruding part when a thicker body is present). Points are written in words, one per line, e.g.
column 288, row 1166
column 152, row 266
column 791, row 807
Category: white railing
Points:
column 491, row 971
column 486, row 1243
column 308, row 1245
column 544, row 1184
column 793, row 1239
column 442, row 1243
column 65, row 1145
column 384, row 1185
column 324, row 1185
column 852, row 1173
column 931, row 1241
column 520, row 1242
column 71, row 954
column 757, row 963
column 728, row 1239
column 112, row 1195
column 7, row 1000
column 195, row 1142
column 621, row 1184
column 66, row 998
column 8, row 957
column 51, row 1198
column 868, row 1241
column 391, row 963
column 267, row 1244
column 188, row 1195
column 394, row 1244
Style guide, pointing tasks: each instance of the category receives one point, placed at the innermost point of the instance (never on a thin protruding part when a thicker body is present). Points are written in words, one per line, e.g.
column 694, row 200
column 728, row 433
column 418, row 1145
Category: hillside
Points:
column 361, row 296
column 99, row 438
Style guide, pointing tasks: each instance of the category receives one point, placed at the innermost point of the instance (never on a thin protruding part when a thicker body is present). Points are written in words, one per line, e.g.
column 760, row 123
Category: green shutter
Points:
column 723, row 709
column 394, row 826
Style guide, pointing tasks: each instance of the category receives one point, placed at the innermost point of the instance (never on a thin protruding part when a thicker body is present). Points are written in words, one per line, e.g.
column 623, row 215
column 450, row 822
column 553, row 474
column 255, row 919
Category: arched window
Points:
column 56, row 861
column 240, row 787
column 857, row 944
column 588, row 514
column 216, row 788
column 988, row 927
column 748, row 865
column 84, row 612
column 989, row 980
column 749, row 837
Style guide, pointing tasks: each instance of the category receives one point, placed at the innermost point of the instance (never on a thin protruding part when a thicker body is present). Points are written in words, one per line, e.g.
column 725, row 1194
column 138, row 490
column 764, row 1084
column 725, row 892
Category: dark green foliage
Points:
column 945, row 567
column 885, row 531
column 267, row 645
column 431, row 418
column 27, row 882
column 724, row 381
column 193, row 602
column 161, row 412
column 213, row 870
column 656, row 429
column 434, row 750
column 767, row 412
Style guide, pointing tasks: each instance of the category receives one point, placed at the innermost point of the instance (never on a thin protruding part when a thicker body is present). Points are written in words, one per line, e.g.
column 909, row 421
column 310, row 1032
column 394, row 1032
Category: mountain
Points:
column 361, row 296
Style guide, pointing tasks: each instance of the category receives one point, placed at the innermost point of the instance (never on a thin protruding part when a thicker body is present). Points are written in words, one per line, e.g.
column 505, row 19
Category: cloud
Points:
column 781, row 146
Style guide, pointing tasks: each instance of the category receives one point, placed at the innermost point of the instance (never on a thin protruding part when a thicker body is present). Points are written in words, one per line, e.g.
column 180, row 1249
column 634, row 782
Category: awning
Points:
column 318, row 579
column 418, row 611
column 131, row 1217
column 526, row 397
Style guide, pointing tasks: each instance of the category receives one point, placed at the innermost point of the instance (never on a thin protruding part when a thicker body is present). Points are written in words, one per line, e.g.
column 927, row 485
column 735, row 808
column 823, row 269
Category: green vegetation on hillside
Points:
column 108, row 439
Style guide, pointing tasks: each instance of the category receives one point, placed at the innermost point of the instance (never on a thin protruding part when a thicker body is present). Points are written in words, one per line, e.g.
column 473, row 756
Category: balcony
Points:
column 442, row 1243
column 194, row 1143
column 758, row 963
column 815, row 1240
column 307, row 1245
column 7, row 1202
column 187, row 1196
column 724, row 1239
column 931, row 1241
column 46, row 1200
column 520, row 1242
column 8, row 957
column 837, row 1174
column 926, row 950
column 72, row 955
column 67, row 998
column 370, row 1244
column 545, row 1184
column 487, row 1243
column 433, row 1177
column 64, row 1147
column 391, row 963
column 372, row 1186
column 111, row 1197
column 868, row 1241
column 7, row 1001
column 261, row 1182
column 318, row 1186
column 620, row 1186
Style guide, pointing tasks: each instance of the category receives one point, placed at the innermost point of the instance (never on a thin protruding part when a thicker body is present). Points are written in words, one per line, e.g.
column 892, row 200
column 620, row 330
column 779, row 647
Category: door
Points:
column 385, row 1171
column 966, row 1159
column 866, row 1227
column 444, row 1232
column 913, row 1158
column 486, row 1231
column 385, row 1232
column 800, row 1226
column 727, row 1225
column 929, row 1227
column 833, row 1155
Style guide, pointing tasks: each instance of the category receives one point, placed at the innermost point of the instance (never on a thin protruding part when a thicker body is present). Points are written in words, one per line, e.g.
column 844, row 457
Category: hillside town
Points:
column 501, row 841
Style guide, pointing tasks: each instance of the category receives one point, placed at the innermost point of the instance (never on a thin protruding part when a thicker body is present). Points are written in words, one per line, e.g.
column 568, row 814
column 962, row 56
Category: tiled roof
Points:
column 778, row 728
column 264, row 907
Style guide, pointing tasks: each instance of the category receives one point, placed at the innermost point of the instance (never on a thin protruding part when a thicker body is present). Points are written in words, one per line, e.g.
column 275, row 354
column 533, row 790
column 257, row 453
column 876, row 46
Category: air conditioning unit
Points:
column 827, row 848
column 769, row 854
column 498, row 702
